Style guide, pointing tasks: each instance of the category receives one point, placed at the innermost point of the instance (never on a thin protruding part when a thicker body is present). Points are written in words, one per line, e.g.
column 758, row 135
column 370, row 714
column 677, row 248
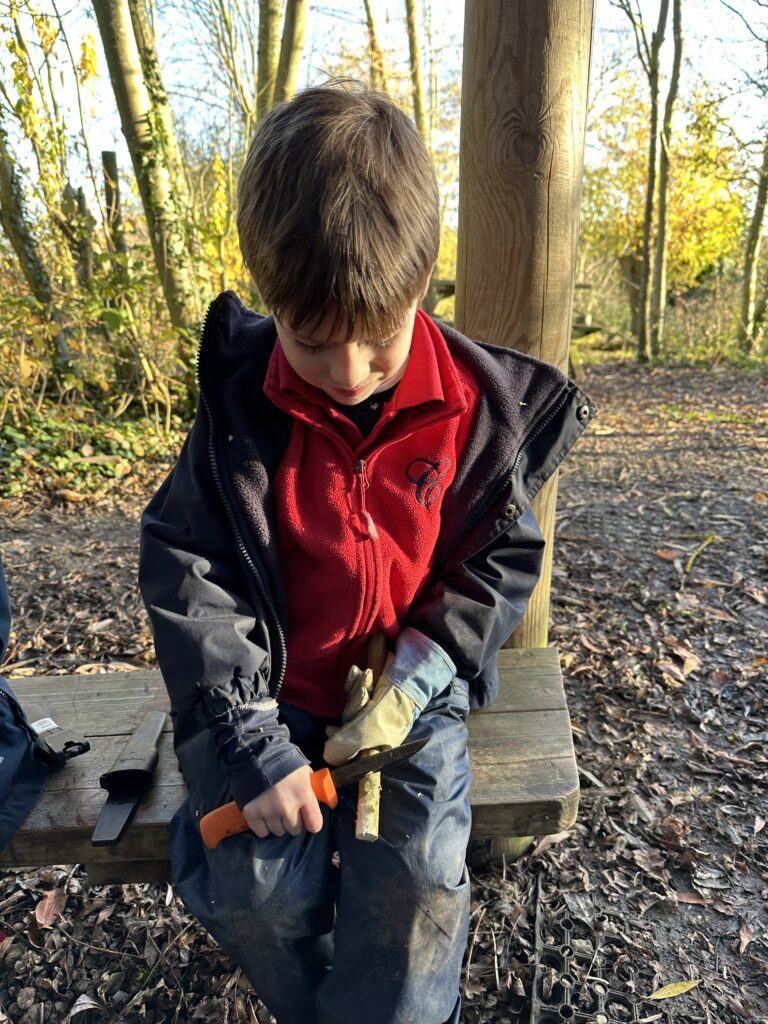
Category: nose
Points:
column 349, row 367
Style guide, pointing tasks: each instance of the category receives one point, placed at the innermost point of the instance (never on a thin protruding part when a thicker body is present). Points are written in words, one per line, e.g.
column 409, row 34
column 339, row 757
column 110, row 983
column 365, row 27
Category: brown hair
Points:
column 338, row 211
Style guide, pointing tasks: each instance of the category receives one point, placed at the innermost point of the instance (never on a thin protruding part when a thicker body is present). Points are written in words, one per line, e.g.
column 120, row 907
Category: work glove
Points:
column 381, row 715
column 376, row 717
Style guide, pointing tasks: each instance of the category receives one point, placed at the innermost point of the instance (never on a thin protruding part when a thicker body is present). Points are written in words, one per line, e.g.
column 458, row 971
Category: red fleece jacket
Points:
column 358, row 518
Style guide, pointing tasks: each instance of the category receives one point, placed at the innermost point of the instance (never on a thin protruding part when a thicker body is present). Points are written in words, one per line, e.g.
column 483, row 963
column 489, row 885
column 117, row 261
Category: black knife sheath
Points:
column 128, row 779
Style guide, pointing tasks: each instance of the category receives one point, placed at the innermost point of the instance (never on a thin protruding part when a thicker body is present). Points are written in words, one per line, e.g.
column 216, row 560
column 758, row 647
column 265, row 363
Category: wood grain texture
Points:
column 523, row 116
column 524, row 770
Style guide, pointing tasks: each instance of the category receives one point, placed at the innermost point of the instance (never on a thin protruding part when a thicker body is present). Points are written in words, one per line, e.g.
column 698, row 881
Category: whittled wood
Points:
column 524, row 778
column 369, row 787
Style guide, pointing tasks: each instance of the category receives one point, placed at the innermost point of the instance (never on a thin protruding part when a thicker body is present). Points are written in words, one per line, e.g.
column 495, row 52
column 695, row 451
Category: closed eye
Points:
column 376, row 345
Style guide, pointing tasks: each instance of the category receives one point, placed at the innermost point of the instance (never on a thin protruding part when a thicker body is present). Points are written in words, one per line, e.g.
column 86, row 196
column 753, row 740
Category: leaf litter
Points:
column 659, row 609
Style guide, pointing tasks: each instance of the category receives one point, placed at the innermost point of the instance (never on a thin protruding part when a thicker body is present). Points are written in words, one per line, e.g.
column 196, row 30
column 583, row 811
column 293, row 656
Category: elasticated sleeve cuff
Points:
column 254, row 749
column 421, row 668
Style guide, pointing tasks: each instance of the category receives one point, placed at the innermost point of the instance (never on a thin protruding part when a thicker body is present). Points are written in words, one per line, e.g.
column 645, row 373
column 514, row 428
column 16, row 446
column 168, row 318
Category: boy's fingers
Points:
column 292, row 822
column 275, row 825
column 259, row 826
column 312, row 817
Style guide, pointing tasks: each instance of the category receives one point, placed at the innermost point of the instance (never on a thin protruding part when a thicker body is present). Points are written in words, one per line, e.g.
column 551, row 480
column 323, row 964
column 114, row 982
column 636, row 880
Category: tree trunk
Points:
column 77, row 223
column 375, row 55
column 269, row 55
column 166, row 129
column 659, row 290
column 631, row 272
column 112, row 200
column 524, row 104
column 291, row 49
column 417, row 84
column 20, row 234
column 646, row 278
column 155, row 178
column 747, row 322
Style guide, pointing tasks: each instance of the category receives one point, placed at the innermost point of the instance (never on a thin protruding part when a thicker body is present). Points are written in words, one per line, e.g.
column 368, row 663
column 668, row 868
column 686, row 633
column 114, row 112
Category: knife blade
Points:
column 128, row 779
column 228, row 819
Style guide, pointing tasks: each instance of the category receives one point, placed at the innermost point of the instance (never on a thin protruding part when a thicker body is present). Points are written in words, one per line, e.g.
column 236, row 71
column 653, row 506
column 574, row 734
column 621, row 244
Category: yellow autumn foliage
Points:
column 706, row 211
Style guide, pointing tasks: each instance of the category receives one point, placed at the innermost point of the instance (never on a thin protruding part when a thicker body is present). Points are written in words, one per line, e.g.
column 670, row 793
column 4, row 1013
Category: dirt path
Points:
column 660, row 613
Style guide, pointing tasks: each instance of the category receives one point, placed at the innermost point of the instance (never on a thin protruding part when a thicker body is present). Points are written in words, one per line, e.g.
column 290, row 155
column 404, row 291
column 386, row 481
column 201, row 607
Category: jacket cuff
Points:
column 254, row 750
column 421, row 668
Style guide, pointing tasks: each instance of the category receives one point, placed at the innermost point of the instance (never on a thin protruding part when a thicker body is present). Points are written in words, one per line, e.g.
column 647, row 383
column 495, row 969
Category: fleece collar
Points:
column 429, row 389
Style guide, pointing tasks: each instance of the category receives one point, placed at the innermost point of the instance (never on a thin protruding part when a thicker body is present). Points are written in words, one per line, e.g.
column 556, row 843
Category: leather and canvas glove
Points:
column 381, row 715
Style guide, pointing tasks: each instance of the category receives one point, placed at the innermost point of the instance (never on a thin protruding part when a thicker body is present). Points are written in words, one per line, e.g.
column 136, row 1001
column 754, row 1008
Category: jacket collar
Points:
column 429, row 390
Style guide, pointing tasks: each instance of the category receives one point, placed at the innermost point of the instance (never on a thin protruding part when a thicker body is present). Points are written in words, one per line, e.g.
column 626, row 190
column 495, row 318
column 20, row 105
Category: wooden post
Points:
column 524, row 105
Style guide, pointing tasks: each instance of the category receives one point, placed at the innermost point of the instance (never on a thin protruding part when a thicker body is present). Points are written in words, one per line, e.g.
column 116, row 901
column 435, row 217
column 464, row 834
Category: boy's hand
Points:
column 289, row 806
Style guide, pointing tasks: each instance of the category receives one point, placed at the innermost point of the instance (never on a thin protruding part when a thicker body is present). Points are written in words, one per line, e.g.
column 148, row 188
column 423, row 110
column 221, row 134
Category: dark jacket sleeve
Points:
column 472, row 609
column 212, row 642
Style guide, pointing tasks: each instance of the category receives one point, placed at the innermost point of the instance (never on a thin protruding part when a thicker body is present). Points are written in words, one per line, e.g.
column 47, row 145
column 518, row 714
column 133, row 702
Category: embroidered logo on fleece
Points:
column 426, row 474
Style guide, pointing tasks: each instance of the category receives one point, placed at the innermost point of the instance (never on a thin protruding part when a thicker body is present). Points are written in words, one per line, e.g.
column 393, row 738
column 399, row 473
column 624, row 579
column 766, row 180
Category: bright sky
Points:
column 716, row 42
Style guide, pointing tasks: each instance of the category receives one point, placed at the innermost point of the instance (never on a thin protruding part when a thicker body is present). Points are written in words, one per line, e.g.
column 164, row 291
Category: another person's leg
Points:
column 403, row 905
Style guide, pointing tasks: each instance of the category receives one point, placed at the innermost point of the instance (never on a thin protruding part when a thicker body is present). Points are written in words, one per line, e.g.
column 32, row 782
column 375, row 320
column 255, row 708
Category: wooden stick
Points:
column 369, row 787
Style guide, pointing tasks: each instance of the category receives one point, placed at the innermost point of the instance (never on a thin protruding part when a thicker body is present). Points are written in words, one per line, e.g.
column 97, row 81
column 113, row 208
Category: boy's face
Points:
column 347, row 371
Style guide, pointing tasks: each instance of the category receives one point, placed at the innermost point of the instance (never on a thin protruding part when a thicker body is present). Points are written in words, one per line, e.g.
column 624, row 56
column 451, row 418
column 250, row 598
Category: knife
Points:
column 228, row 819
column 128, row 779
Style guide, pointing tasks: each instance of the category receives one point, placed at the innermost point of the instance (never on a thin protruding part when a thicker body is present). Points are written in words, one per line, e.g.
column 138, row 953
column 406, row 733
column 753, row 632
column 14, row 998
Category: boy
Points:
column 354, row 468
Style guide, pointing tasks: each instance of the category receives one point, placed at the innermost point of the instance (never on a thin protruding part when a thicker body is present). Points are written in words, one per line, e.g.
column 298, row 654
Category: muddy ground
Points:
column 660, row 612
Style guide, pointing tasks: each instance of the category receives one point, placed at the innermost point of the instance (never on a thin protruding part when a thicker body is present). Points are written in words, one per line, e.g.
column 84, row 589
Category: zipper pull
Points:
column 361, row 470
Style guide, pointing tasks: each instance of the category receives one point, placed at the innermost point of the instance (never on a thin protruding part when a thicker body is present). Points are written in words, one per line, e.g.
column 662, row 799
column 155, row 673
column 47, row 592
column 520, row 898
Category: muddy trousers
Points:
column 377, row 939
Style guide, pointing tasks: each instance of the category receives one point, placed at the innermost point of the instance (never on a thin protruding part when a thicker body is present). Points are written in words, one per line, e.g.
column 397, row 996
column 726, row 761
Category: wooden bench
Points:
column 525, row 781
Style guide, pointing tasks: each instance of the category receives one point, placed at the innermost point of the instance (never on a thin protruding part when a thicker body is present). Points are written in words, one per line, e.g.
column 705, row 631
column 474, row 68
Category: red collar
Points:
column 430, row 381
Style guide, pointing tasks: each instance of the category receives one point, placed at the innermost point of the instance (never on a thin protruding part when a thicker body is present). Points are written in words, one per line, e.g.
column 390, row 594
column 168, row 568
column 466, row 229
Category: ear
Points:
column 425, row 287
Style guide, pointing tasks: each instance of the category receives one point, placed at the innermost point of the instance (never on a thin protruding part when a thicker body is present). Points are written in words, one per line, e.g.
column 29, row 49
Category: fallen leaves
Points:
column 677, row 988
column 83, row 1004
column 746, row 934
column 50, row 907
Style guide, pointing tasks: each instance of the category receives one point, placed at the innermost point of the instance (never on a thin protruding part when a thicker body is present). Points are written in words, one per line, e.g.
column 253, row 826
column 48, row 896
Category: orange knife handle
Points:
column 323, row 787
column 228, row 819
column 225, row 821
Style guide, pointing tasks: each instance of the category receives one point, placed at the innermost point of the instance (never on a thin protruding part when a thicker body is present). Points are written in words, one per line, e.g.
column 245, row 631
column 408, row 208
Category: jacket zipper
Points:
column 360, row 470
column 241, row 546
column 369, row 603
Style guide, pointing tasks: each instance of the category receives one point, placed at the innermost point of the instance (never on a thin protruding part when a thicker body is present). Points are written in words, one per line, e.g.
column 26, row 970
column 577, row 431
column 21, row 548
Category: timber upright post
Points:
column 523, row 119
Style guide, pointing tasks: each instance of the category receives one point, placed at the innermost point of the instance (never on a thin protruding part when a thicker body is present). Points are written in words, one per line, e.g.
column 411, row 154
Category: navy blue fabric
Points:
column 379, row 939
column 21, row 776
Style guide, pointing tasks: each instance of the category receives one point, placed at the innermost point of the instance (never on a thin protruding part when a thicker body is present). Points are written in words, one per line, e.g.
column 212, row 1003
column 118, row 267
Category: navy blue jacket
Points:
column 22, row 776
column 210, row 574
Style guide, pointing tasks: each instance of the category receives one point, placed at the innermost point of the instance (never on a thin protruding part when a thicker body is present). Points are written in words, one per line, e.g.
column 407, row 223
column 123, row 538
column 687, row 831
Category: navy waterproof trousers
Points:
column 378, row 939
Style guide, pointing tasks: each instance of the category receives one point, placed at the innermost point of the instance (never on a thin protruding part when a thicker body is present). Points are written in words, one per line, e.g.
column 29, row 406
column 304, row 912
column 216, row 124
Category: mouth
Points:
column 350, row 392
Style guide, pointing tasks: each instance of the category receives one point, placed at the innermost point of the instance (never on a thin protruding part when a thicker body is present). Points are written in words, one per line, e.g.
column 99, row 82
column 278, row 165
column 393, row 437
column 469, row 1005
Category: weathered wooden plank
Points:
column 97, row 705
column 113, row 703
column 59, row 832
column 524, row 771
